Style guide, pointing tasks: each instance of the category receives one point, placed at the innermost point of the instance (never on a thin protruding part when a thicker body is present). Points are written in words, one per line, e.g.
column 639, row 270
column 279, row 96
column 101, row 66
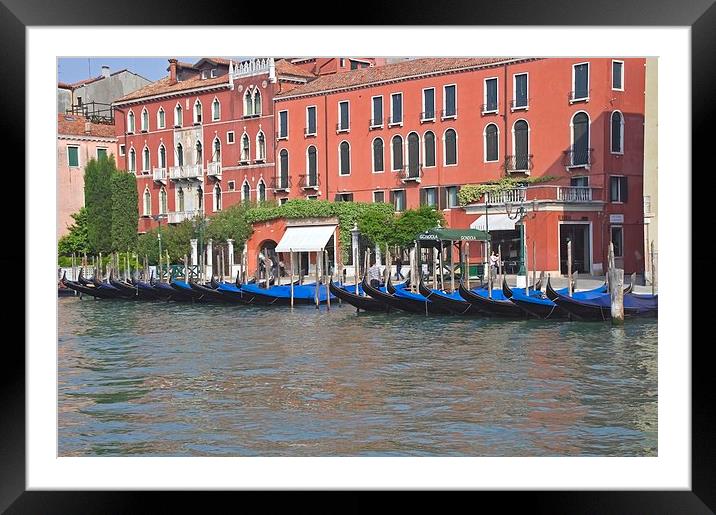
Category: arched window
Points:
column 216, row 156
column 345, row 158
column 450, row 147
column 520, row 140
column 180, row 199
column 245, row 192
column 199, row 153
column 199, row 198
column 261, row 191
column 257, row 102
column 491, row 142
column 429, row 142
column 145, row 119
column 245, row 149
column 397, row 149
column 283, row 168
column 132, row 160
column 197, row 112
column 161, row 118
column 216, row 110
column 312, row 166
column 146, row 165
column 178, row 116
column 162, row 156
column 260, row 146
column 180, row 155
column 162, row 201
column 413, row 155
column 617, row 133
column 378, row 155
column 580, row 139
column 130, row 122
column 147, row 202
column 248, row 104
column 217, row 197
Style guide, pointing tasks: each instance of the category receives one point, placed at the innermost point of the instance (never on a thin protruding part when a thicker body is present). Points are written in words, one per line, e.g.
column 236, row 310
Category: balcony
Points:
column 427, row 116
column 185, row 172
column 279, row 184
column 411, row 173
column 579, row 96
column 502, row 197
column 448, row 114
column 574, row 194
column 542, row 194
column 177, row 217
column 309, row 181
column 518, row 164
column 580, row 158
column 160, row 175
column 375, row 123
column 213, row 169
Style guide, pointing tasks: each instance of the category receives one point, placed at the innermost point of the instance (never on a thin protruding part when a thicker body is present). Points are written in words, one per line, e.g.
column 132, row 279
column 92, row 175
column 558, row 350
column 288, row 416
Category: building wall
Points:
column 109, row 89
column 64, row 99
column 651, row 163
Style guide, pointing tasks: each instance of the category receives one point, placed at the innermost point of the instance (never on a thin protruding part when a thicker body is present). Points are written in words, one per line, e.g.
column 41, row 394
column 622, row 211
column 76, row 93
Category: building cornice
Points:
column 171, row 94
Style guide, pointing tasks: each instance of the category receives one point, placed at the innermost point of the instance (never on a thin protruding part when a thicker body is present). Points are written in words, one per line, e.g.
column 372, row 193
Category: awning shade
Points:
column 494, row 223
column 434, row 236
column 305, row 239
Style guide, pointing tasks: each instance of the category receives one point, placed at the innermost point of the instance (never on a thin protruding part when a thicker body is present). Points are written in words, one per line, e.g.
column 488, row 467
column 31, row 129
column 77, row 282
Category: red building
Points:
column 415, row 132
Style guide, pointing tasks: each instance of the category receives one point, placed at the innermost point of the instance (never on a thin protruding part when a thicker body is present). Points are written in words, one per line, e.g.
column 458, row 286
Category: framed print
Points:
column 169, row 395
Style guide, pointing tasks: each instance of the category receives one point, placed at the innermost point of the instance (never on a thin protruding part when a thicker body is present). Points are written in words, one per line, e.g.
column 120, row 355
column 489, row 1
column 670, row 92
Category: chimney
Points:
column 88, row 128
column 172, row 71
column 105, row 70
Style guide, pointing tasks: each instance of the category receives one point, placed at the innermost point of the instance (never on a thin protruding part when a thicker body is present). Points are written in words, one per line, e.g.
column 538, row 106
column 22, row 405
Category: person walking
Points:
column 398, row 267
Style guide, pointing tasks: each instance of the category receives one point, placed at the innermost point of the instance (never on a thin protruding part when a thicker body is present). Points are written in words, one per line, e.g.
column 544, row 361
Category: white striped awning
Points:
column 494, row 223
column 305, row 238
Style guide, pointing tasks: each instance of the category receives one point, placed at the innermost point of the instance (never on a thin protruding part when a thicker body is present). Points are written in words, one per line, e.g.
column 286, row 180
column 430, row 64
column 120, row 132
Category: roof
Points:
column 84, row 82
column 73, row 125
column 363, row 77
column 163, row 86
column 284, row 67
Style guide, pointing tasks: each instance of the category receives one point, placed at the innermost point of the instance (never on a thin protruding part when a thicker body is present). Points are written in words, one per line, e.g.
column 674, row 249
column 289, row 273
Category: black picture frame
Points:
column 700, row 15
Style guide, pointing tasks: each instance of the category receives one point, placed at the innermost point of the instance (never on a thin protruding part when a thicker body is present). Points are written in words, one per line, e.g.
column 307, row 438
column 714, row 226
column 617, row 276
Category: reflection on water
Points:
column 169, row 379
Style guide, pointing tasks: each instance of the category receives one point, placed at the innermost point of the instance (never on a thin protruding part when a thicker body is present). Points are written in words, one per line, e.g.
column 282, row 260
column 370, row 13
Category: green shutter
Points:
column 73, row 156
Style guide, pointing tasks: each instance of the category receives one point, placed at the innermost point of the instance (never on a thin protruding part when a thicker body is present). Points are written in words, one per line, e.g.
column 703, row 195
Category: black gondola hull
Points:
column 491, row 307
column 454, row 306
column 360, row 302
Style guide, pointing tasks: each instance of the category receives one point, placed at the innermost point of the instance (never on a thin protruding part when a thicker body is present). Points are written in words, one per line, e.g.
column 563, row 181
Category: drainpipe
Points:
column 504, row 115
column 325, row 138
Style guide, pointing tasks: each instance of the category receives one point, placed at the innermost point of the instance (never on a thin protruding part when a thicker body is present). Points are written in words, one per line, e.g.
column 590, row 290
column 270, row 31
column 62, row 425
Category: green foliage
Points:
column 125, row 213
column 378, row 225
column 231, row 224
column 176, row 239
column 471, row 193
column 98, row 200
column 77, row 240
column 412, row 222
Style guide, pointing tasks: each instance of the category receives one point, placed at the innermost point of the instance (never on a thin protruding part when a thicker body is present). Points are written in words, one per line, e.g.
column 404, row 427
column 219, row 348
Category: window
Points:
column 397, row 198
column 245, row 192
column 344, row 197
column 248, row 104
column 520, row 91
column 618, row 240
column 73, row 156
column 197, row 112
column 312, row 167
column 618, row 75
column 580, row 81
column 245, row 148
column 122, row 150
column 217, row 197
column 162, row 157
column 428, row 197
column 378, row 155
column 215, row 110
column 162, row 201
column 230, row 138
column 101, row 153
column 520, row 140
column 146, row 166
column 283, row 200
column 199, row 198
column 429, row 142
column 145, row 120
column 213, row 73
column 579, row 182
column 345, row 158
column 343, row 114
column 397, row 151
column 283, row 168
column 308, row 197
column 490, row 96
column 378, row 196
column 491, row 143
column 180, row 199
column 377, row 115
column 147, row 211
column 132, row 160
column 396, row 109
column 283, row 124
column 413, row 155
column 311, row 120
column 199, row 154
column 161, row 121
column 180, row 155
column 428, row 104
column 260, row 146
column 262, row 191
column 342, row 62
column 580, row 139
column 204, row 74
column 178, row 116
column 130, row 123
column 216, row 155
column 617, row 133
column 618, row 190
column 450, row 101
column 232, row 185
column 451, row 199
column 450, row 147
column 257, row 102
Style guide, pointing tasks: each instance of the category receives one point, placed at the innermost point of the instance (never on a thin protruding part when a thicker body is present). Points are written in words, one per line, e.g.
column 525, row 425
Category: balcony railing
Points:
column 516, row 105
column 280, row 183
column 395, row 120
column 213, row 169
column 543, row 193
column 427, row 116
column 177, row 217
column 375, row 123
column 581, row 158
column 448, row 113
column 501, row 197
column 412, row 173
column 574, row 194
column 518, row 164
column 309, row 181
column 185, row 172
column 160, row 174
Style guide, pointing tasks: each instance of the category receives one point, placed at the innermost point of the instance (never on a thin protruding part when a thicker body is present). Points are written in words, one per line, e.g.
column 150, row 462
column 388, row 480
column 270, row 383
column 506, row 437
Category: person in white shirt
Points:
column 374, row 274
column 493, row 264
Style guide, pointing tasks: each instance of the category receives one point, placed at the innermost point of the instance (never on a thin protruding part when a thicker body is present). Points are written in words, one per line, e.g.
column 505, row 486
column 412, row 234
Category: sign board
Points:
column 616, row 219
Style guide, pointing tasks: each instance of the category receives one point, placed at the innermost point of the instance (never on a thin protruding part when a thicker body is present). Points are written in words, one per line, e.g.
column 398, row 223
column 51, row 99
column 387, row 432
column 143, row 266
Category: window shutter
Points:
column 442, row 202
column 422, row 197
column 625, row 190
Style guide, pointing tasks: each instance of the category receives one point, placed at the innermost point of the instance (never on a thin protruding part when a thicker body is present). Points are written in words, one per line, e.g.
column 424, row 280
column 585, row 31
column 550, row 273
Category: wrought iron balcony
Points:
column 280, row 183
column 578, row 158
column 177, row 217
column 213, row 169
column 185, row 172
column 518, row 164
column 160, row 175
column 309, row 181
column 411, row 173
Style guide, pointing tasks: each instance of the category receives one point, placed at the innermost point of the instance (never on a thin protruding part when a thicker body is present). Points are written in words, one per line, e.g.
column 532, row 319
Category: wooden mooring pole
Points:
column 318, row 261
column 291, row 260
column 616, row 283
column 653, row 268
column 569, row 268
column 329, row 278
column 534, row 264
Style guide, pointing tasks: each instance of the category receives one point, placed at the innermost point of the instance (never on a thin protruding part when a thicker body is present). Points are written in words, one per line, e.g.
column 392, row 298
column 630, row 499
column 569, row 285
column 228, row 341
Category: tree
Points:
column 98, row 201
column 377, row 225
column 77, row 240
column 231, row 223
column 125, row 213
column 414, row 221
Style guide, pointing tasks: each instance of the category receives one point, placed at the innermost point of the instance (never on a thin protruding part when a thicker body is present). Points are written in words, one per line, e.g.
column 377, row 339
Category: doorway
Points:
column 579, row 235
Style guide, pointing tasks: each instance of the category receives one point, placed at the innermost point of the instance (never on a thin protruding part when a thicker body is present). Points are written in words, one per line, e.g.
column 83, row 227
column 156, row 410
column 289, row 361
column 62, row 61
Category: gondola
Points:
column 537, row 305
column 145, row 291
column 346, row 293
column 403, row 300
column 452, row 302
column 167, row 292
column 497, row 306
column 281, row 295
column 103, row 291
column 598, row 307
column 186, row 290
column 210, row 292
column 129, row 291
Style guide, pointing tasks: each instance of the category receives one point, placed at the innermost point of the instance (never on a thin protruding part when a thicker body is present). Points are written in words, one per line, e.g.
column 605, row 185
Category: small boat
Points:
column 537, row 305
column 103, row 291
column 302, row 294
column 403, row 300
column 186, row 290
column 498, row 305
column 452, row 302
column 347, row 293
column 210, row 292
column 129, row 291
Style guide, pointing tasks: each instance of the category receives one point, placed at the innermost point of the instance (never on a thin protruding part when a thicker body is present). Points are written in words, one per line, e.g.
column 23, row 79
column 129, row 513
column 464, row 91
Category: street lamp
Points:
column 519, row 215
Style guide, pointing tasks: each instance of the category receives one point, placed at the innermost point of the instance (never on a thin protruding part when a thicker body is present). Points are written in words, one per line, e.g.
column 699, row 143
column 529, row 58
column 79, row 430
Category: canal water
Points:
column 172, row 379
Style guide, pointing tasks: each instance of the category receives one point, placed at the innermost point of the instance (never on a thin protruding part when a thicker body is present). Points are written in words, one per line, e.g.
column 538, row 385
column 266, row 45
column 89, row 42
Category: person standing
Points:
column 398, row 267
column 493, row 265
column 374, row 274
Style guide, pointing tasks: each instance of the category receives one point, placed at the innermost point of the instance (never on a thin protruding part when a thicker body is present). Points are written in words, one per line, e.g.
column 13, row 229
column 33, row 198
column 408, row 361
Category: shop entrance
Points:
column 578, row 234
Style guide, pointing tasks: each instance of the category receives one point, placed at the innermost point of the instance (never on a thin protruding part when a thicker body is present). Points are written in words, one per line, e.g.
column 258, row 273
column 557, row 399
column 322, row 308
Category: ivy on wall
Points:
column 471, row 193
